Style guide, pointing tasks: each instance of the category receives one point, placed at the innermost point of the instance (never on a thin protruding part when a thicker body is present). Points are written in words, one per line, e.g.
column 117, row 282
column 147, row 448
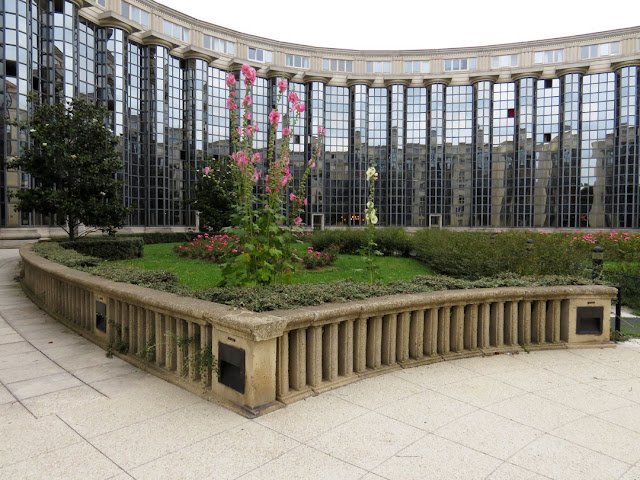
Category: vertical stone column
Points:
column 416, row 334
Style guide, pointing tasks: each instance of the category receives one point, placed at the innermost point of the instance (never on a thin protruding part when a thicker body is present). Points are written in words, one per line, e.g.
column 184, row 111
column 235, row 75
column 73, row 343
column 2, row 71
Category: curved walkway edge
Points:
column 67, row 411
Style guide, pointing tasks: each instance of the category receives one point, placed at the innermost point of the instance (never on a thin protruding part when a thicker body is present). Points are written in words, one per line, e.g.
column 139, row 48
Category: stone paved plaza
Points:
column 67, row 411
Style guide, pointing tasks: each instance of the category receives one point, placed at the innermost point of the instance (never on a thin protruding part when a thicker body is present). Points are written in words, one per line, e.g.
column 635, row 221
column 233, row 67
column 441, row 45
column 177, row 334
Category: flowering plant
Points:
column 370, row 251
column 208, row 247
column 316, row 259
column 263, row 188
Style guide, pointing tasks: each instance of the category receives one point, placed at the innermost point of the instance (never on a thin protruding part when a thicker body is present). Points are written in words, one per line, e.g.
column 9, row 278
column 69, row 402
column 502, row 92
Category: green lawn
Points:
column 199, row 274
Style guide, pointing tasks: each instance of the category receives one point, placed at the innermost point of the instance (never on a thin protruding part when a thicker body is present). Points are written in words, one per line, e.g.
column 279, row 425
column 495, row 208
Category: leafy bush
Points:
column 160, row 237
column 147, row 278
column 208, row 247
column 316, row 259
column 390, row 241
column 279, row 297
column 627, row 277
column 107, row 248
column 484, row 254
column 69, row 258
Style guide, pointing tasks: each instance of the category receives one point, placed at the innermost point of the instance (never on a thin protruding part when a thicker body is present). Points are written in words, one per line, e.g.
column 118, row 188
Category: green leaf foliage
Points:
column 73, row 162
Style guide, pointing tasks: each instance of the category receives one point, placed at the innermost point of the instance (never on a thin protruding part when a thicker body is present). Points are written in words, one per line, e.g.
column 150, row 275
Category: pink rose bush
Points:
column 208, row 247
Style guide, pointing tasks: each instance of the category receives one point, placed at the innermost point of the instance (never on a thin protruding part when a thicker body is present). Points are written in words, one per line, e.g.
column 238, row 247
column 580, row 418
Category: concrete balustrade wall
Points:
column 292, row 354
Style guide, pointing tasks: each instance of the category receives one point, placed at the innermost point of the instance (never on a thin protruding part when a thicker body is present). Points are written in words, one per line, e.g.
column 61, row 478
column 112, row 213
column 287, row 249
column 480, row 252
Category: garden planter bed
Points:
column 269, row 359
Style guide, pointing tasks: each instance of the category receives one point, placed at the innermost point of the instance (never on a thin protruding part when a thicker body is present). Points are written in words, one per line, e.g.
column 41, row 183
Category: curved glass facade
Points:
column 546, row 137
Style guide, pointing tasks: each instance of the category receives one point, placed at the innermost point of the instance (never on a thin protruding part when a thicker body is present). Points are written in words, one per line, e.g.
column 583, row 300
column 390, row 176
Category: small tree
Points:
column 73, row 161
column 212, row 194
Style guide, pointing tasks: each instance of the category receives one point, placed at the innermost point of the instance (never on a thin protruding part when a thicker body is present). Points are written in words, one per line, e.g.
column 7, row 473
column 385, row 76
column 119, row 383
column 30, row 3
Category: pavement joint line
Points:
column 92, row 445
column 17, row 399
column 56, row 363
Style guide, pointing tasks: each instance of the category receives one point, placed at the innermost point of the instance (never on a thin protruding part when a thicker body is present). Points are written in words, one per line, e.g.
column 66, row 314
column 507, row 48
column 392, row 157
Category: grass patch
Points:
column 197, row 274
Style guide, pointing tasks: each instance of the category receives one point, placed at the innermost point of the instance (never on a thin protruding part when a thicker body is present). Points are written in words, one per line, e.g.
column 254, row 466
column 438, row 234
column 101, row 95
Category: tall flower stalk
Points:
column 369, row 250
column 264, row 253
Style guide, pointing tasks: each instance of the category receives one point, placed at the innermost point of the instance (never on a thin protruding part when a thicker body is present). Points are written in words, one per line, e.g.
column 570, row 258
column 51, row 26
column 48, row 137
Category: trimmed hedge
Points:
column 627, row 277
column 69, row 258
column 391, row 241
column 163, row 237
column 108, row 248
column 277, row 297
column 472, row 255
column 146, row 278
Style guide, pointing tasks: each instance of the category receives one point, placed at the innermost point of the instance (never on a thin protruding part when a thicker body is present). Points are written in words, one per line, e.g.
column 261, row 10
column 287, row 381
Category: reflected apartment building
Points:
column 542, row 134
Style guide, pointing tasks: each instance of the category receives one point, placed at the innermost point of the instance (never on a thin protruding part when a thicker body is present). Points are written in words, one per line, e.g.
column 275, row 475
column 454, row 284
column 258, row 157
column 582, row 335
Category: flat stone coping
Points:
column 67, row 411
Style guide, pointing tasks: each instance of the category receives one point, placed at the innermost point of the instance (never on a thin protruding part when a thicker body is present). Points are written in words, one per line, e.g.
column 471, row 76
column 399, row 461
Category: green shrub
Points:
column 627, row 277
column 107, row 248
column 69, row 258
column 147, row 278
column 391, row 240
column 485, row 254
column 349, row 240
column 279, row 297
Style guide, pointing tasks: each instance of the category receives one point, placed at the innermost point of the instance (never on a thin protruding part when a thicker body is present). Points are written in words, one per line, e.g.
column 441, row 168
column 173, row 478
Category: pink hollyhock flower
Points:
column 256, row 175
column 232, row 94
column 321, row 130
column 239, row 130
column 305, row 202
column 312, row 163
column 256, row 158
column 249, row 74
column 319, row 150
column 274, row 117
column 206, row 170
column 293, row 97
column 256, row 128
column 292, row 197
column 247, row 100
column 299, row 107
column 297, row 221
column 231, row 105
column 286, row 132
column 282, row 84
column 247, row 115
column 231, row 80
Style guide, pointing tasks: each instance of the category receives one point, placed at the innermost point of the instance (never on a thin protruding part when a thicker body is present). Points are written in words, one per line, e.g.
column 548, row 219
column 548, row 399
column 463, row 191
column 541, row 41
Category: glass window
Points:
column 600, row 50
column 175, row 31
column 136, row 14
column 297, row 61
column 219, row 45
column 549, row 56
column 334, row 65
column 460, row 64
column 416, row 66
column 378, row 67
column 504, row 61
column 260, row 55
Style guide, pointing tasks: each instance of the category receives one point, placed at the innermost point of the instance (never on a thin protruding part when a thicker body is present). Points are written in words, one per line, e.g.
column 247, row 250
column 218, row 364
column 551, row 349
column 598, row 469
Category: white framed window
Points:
column 378, row 67
column 458, row 64
column 297, row 61
column 600, row 50
column 549, row 56
column 219, row 45
column 335, row 65
column 417, row 66
column 504, row 61
column 175, row 31
column 136, row 14
column 260, row 55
